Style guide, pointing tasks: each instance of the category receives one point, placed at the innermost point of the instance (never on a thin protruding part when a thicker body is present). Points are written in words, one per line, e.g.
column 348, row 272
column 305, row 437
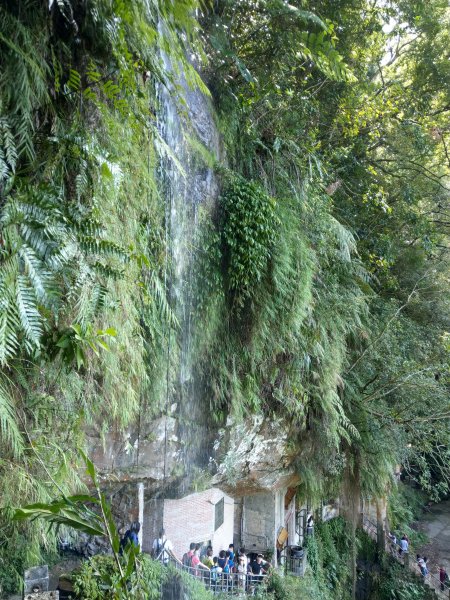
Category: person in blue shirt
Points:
column 223, row 561
column 231, row 556
column 134, row 533
column 131, row 536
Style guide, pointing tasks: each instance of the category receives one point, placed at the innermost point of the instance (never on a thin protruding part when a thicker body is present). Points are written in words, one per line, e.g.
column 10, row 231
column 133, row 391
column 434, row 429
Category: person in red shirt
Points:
column 187, row 557
column 196, row 562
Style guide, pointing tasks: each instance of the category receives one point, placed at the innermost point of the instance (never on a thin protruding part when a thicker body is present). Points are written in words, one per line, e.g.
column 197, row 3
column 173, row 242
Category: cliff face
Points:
column 169, row 449
column 253, row 456
column 160, row 449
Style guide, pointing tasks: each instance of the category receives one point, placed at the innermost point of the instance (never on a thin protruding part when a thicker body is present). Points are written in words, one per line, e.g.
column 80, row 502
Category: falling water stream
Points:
column 186, row 184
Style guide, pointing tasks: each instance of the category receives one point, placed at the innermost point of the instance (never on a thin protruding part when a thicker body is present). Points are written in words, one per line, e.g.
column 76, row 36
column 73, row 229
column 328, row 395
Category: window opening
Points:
column 219, row 514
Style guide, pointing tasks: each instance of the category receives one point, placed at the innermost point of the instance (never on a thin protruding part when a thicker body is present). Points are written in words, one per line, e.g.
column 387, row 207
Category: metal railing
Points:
column 442, row 589
column 231, row 584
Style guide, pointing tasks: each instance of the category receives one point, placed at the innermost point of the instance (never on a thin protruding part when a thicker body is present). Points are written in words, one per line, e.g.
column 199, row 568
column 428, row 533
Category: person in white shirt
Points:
column 243, row 553
column 163, row 548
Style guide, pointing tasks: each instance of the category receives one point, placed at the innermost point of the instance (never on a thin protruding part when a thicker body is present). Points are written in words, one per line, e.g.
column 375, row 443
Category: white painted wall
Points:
column 223, row 537
column 192, row 519
column 140, row 487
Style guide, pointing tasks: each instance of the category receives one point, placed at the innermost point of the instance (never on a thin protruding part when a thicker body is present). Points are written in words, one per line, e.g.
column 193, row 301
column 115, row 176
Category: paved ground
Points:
column 436, row 525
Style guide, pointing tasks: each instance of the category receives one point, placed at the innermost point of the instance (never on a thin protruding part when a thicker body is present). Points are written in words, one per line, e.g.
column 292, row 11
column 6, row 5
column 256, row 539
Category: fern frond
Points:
column 8, row 144
column 9, row 430
column 9, row 324
column 344, row 238
column 306, row 16
column 30, row 318
column 4, row 169
column 39, row 277
column 158, row 293
column 107, row 271
column 95, row 246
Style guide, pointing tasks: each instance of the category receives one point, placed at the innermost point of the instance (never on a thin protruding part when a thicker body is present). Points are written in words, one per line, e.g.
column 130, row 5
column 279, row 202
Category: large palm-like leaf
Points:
column 75, row 512
column 70, row 512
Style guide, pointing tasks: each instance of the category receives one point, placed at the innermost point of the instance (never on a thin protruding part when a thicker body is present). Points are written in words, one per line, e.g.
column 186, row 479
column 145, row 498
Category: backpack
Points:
column 187, row 559
column 157, row 553
column 124, row 541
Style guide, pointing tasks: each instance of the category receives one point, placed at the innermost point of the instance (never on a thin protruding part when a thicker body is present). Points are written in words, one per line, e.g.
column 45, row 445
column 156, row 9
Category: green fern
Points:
column 46, row 253
column 11, row 438
column 30, row 317
column 8, row 148
column 9, row 322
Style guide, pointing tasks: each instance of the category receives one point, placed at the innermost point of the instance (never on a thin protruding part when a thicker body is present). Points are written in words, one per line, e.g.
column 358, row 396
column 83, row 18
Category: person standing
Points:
column 422, row 563
column 187, row 556
column 130, row 537
column 241, row 570
column 223, row 562
column 243, row 553
column 443, row 578
column 207, row 559
column 196, row 563
column 393, row 539
column 163, row 549
column 259, row 567
column 215, row 573
column 404, row 545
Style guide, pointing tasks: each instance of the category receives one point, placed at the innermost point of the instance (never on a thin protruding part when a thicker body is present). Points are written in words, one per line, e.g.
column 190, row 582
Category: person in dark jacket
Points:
column 259, row 567
column 443, row 578
column 131, row 536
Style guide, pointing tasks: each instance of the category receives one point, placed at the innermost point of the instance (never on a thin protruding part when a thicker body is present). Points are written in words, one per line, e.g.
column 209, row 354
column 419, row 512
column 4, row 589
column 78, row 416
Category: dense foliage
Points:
column 354, row 141
column 146, row 582
column 82, row 315
column 320, row 282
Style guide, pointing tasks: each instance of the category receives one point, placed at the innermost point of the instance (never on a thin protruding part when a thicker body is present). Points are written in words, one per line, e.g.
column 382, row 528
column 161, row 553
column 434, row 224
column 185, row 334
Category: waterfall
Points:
column 186, row 185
